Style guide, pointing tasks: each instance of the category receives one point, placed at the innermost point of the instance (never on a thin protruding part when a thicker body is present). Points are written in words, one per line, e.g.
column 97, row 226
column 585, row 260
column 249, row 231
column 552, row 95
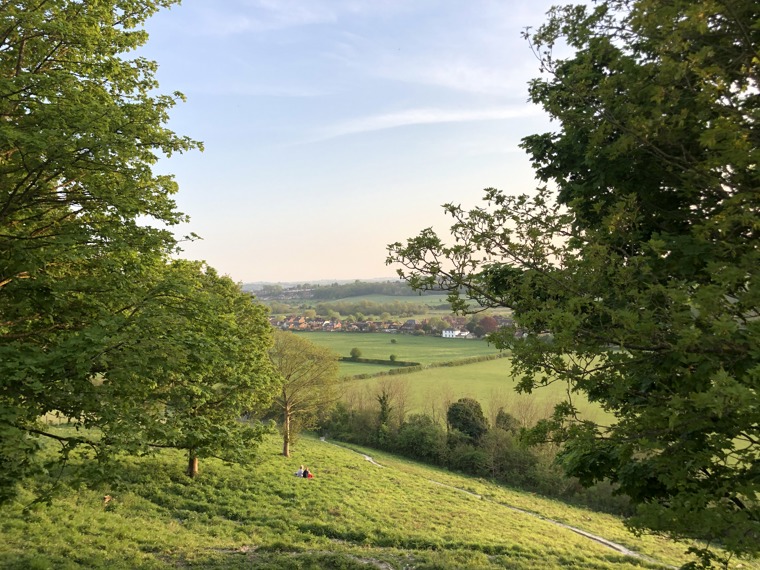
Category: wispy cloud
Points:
column 424, row 117
column 242, row 16
column 459, row 74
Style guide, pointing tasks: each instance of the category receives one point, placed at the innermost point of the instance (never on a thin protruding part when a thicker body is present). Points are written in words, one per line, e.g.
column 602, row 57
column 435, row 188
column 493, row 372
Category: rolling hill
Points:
column 356, row 513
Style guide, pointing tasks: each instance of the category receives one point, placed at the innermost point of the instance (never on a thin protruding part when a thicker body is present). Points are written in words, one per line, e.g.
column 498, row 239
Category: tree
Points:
column 81, row 128
column 356, row 353
column 187, row 367
column 309, row 383
column 383, row 435
column 466, row 416
column 436, row 325
column 642, row 264
column 488, row 324
column 507, row 422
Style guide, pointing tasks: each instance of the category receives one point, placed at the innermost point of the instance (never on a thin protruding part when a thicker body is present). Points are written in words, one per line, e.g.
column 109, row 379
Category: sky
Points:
column 333, row 128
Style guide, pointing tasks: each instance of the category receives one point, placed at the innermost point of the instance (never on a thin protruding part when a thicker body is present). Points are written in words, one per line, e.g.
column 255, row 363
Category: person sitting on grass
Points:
column 307, row 474
column 299, row 473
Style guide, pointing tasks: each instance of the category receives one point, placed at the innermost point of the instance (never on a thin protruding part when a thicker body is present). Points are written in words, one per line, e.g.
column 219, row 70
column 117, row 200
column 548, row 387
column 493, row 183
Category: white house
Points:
column 453, row 333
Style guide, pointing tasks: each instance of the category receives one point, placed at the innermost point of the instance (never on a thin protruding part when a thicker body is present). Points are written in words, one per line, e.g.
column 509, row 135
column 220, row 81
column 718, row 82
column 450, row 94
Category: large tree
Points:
column 81, row 212
column 632, row 271
column 309, row 383
column 186, row 366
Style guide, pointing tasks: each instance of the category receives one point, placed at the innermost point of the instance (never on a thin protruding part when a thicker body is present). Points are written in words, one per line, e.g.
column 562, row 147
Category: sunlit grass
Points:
column 490, row 382
column 352, row 514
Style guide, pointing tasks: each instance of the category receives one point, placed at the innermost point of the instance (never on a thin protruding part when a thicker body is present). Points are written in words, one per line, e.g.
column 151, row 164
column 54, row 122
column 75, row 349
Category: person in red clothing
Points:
column 307, row 474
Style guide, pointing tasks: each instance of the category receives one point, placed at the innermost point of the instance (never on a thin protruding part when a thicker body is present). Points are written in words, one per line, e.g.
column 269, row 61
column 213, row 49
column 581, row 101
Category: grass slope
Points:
column 352, row 515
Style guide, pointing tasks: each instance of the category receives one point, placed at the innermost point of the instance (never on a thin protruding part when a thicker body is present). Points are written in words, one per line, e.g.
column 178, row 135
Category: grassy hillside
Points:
column 354, row 514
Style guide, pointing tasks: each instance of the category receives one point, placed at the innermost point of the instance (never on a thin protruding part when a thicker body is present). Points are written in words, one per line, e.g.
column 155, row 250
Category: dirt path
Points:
column 601, row 540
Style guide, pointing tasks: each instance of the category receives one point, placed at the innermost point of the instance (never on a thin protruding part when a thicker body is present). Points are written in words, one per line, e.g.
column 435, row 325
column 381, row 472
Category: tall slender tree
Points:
column 309, row 383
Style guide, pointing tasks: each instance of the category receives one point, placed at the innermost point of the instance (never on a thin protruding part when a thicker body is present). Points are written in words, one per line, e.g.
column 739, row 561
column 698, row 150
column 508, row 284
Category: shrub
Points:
column 420, row 437
column 467, row 458
column 466, row 415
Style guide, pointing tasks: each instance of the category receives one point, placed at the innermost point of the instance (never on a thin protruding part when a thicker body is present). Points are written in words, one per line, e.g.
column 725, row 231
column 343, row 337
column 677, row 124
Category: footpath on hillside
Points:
column 601, row 540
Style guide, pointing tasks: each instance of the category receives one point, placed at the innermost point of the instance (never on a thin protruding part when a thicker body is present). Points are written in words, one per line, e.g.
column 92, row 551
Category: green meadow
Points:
column 491, row 382
column 353, row 514
column 422, row 349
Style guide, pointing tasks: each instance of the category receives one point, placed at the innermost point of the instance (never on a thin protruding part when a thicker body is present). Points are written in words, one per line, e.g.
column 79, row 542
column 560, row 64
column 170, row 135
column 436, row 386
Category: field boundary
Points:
column 410, row 367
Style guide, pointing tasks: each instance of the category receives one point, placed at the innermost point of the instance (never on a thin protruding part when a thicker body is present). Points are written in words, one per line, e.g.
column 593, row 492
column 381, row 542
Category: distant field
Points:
column 354, row 368
column 423, row 349
column 491, row 383
column 431, row 390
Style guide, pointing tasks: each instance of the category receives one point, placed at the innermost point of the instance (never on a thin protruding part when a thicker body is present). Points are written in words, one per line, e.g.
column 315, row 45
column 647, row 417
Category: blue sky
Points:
column 335, row 127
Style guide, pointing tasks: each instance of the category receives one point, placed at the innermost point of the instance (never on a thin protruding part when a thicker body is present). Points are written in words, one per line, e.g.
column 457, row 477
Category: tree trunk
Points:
column 286, row 433
column 192, row 464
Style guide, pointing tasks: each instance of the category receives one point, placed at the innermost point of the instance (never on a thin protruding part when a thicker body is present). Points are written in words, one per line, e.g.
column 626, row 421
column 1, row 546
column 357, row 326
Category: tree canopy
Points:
column 466, row 416
column 186, row 368
column 84, row 227
column 632, row 271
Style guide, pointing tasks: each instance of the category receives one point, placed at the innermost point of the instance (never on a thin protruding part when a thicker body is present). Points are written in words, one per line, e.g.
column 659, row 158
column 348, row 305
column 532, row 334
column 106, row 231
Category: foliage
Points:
column 82, row 125
column 466, row 416
column 186, row 367
column 355, row 353
column 309, row 381
column 642, row 265
column 420, row 437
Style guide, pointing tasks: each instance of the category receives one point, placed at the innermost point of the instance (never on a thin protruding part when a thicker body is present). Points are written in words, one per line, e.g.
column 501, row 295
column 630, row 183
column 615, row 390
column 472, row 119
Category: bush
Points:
column 466, row 415
column 355, row 353
column 467, row 458
column 509, row 460
column 420, row 437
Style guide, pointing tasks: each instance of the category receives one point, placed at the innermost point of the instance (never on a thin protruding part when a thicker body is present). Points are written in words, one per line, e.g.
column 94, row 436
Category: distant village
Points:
column 453, row 326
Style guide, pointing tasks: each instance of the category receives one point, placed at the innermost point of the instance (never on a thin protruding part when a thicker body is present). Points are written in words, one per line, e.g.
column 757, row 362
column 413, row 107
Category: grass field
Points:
column 490, row 382
column 422, row 349
column 353, row 515
column 430, row 390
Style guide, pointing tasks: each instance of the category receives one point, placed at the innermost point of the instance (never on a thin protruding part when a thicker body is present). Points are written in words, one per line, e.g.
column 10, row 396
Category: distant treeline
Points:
column 359, row 288
column 367, row 308
column 331, row 292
